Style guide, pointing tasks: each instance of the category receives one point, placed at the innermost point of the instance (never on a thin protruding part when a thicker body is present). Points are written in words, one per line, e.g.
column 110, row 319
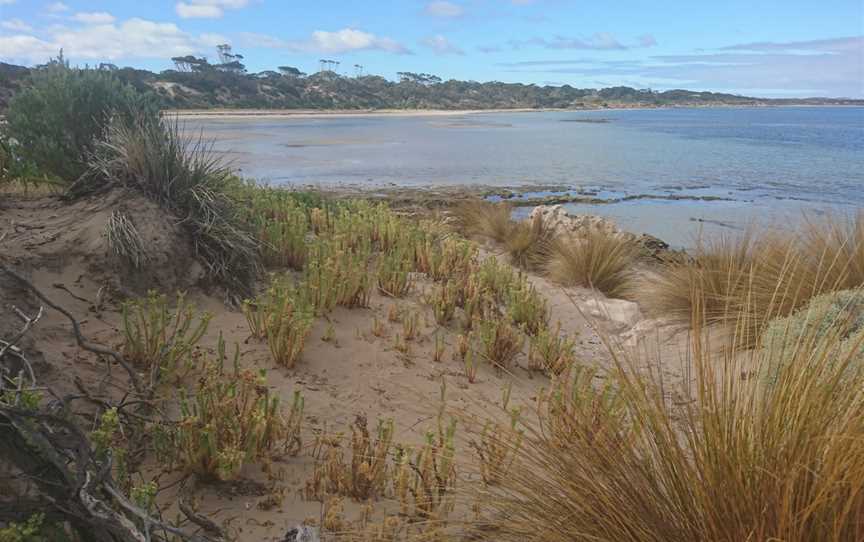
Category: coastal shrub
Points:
column 59, row 116
column 530, row 243
column 281, row 226
column 736, row 459
column 394, row 272
column 526, row 307
column 158, row 338
column 500, row 341
column 337, row 274
column 231, row 419
column 551, row 351
column 365, row 476
column 838, row 316
column 445, row 258
column 597, row 260
column 283, row 316
column 480, row 217
column 181, row 174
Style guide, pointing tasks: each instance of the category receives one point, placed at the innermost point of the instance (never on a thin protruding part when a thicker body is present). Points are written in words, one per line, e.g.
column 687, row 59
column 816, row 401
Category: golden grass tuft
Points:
column 598, row 260
column 754, row 278
column 530, row 243
column 736, row 459
column 479, row 217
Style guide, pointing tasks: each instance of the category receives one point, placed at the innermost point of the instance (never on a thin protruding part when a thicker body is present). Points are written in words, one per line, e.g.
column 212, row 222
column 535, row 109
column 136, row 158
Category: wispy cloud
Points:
column 440, row 45
column 828, row 67
column 94, row 17
column 207, row 9
column 444, row 9
column 599, row 41
column 15, row 25
column 345, row 40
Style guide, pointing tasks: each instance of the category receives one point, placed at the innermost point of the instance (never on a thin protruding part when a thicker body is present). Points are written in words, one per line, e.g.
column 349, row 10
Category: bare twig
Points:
column 82, row 342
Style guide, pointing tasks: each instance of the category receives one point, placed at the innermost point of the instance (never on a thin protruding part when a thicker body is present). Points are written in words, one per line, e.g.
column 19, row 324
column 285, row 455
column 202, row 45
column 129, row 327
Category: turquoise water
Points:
column 766, row 161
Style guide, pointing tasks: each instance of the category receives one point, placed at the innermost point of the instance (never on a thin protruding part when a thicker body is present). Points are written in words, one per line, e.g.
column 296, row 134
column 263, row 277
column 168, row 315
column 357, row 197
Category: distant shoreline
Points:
column 235, row 114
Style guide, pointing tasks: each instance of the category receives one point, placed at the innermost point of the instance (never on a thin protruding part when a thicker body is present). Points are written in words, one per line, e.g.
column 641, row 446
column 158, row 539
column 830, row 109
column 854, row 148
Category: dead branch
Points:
column 75, row 483
column 82, row 342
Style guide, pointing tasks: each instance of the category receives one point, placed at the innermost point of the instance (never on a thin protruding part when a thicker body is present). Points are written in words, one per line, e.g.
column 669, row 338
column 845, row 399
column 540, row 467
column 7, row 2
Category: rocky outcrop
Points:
column 576, row 226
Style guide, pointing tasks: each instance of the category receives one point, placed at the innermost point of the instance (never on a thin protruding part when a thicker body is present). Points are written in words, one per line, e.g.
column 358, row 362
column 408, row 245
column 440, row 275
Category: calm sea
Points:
column 759, row 158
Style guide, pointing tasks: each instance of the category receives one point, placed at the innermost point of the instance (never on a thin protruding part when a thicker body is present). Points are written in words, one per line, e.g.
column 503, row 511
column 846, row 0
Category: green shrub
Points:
column 62, row 112
column 837, row 317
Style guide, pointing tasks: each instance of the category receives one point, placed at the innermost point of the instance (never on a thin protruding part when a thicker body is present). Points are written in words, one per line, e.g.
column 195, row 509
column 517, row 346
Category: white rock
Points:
column 625, row 314
column 557, row 218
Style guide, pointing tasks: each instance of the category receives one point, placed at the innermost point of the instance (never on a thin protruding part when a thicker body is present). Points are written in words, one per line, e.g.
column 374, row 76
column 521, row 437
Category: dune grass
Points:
column 180, row 173
column 598, row 260
column 760, row 275
column 479, row 217
column 734, row 460
column 530, row 243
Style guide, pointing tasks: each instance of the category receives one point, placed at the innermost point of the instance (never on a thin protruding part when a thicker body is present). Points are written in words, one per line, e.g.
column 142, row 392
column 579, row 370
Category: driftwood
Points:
column 76, row 329
column 52, row 455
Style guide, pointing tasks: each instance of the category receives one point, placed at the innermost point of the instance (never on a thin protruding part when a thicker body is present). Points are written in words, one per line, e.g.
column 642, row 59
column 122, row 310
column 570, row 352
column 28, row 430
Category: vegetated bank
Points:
column 340, row 368
column 195, row 83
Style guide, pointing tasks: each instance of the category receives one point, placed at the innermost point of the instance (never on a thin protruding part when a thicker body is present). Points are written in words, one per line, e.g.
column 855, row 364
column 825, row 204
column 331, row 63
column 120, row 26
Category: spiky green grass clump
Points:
column 180, row 173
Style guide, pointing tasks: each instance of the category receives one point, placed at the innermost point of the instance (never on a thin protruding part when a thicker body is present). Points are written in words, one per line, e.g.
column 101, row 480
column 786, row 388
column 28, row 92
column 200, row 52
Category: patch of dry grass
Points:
column 479, row 217
column 598, row 260
column 530, row 243
column 740, row 459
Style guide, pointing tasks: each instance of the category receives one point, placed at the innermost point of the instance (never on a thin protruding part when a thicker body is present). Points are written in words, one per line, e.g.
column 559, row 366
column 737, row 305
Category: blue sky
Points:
column 777, row 48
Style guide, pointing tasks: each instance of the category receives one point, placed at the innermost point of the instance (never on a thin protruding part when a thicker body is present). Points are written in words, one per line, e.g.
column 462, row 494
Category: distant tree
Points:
column 229, row 61
column 290, row 71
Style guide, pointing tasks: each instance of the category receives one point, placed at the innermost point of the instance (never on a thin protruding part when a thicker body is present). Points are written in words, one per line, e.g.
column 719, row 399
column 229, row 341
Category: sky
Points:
column 791, row 48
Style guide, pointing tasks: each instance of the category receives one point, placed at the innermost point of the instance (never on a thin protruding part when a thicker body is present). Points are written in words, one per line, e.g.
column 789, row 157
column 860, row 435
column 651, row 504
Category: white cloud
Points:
column 350, row 39
column 207, row 9
column 16, row 25
column 440, row 45
column 7, row 2
column 94, row 17
column 132, row 39
column 192, row 11
column 442, row 8
column 57, row 7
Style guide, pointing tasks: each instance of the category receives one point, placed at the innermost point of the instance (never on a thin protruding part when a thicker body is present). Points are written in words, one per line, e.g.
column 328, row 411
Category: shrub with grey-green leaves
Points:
column 837, row 317
column 62, row 112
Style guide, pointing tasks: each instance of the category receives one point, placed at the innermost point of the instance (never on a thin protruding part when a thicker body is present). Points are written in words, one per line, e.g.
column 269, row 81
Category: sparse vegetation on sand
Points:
column 760, row 437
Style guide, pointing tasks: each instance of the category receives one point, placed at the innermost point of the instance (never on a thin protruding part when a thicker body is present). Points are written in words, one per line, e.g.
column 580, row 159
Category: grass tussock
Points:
column 737, row 460
column 124, row 241
column 756, row 277
column 479, row 217
column 181, row 174
column 598, row 260
column 530, row 243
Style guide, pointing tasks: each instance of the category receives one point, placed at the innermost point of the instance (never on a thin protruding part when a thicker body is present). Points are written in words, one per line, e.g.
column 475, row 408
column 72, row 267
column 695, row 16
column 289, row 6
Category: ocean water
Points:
column 764, row 161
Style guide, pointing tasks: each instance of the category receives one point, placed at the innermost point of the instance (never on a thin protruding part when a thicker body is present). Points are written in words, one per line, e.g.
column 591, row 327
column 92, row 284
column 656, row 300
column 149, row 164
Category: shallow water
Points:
column 764, row 159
